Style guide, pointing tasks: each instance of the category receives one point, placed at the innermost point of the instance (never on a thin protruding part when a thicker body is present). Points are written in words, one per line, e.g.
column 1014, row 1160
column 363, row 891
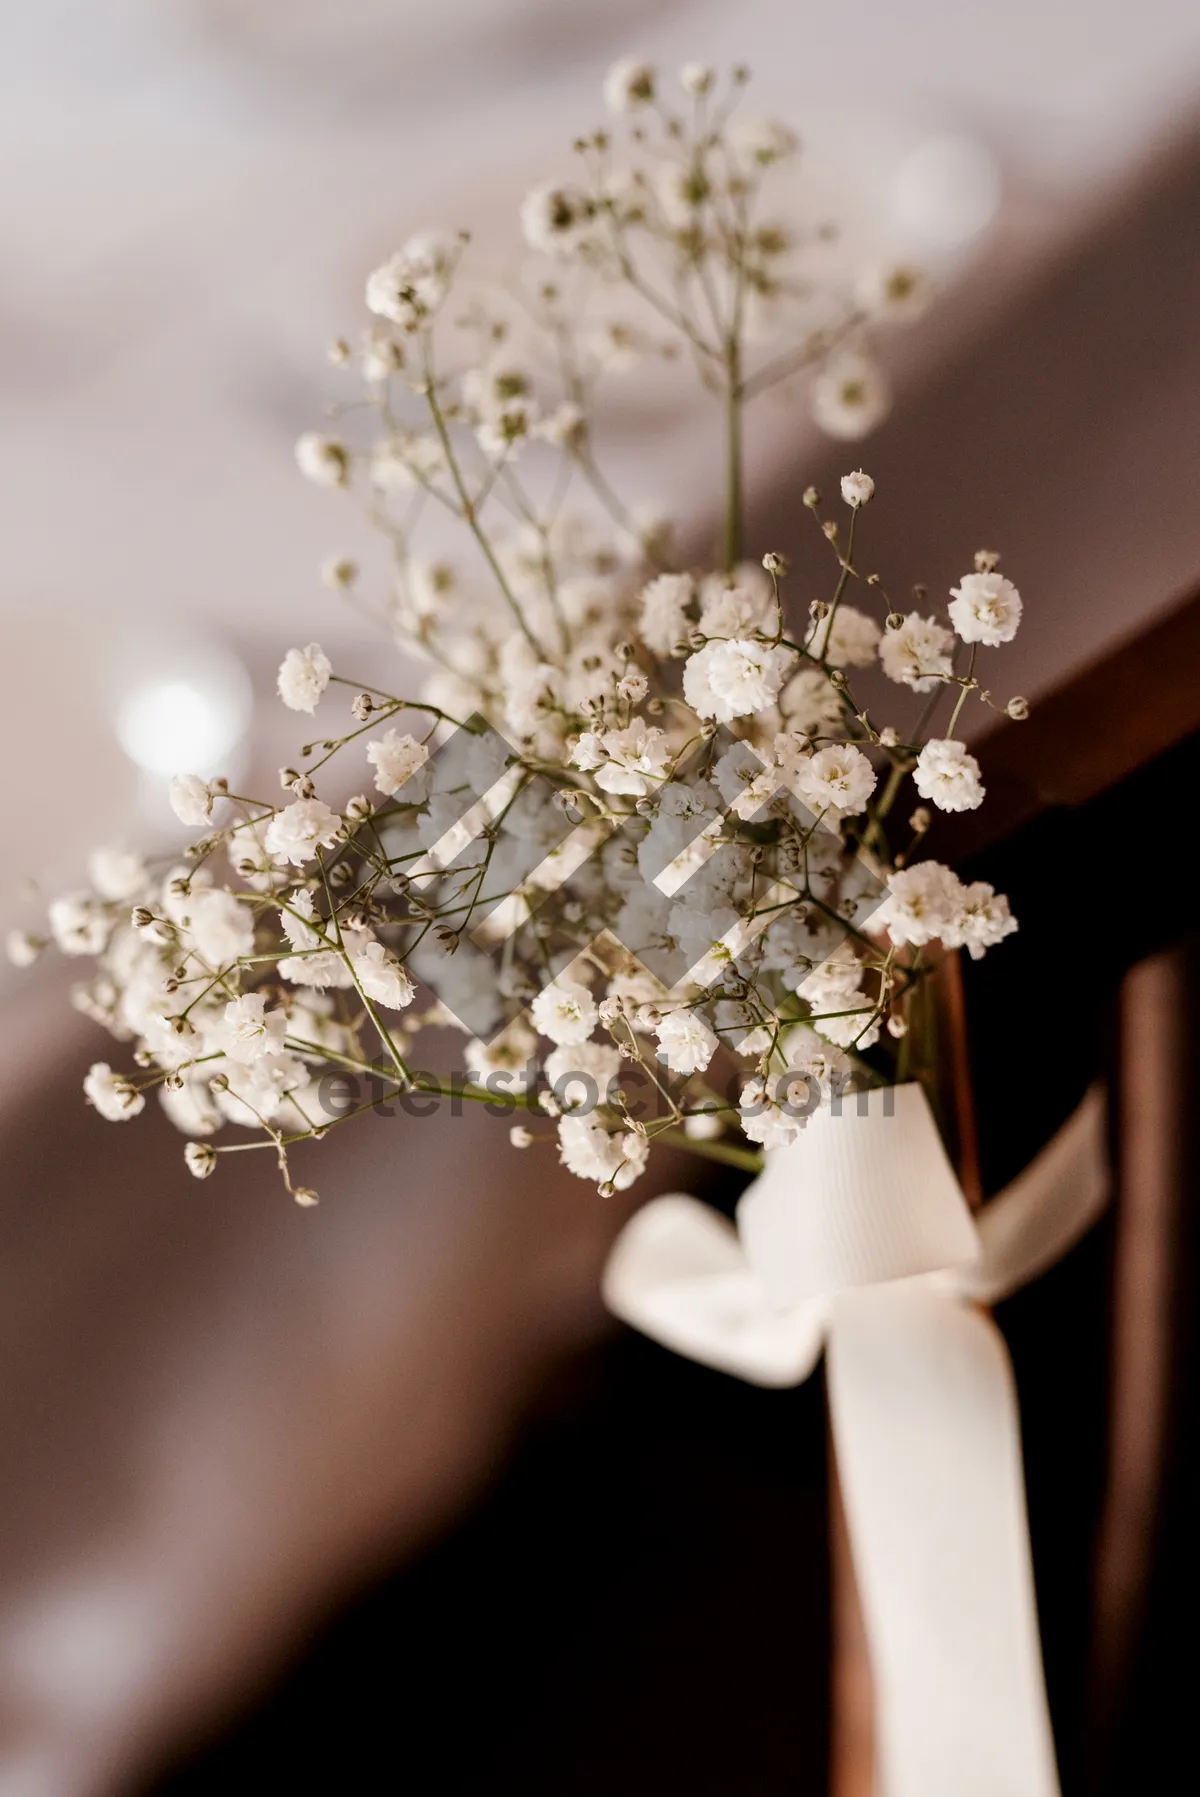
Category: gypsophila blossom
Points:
column 111, row 1094
column 898, row 292
column 850, row 396
column 396, row 758
column 981, row 920
column 629, row 83
column 554, row 218
column 985, row 608
column 117, row 873
column 191, row 800
column 299, row 832
column 564, row 1011
column 250, row 1031
column 628, row 805
column 922, row 903
column 857, row 488
column 847, row 638
column 200, row 1159
column 685, row 1042
column 948, row 776
column 613, row 1160
column 917, row 653
column 664, row 625
column 23, row 947
column 696, row 78
column 303, row 677
column 381, row 977
column 838, row 779
column 633, row 761
column 323, row 460
column 733, row 679
column 582, row 1074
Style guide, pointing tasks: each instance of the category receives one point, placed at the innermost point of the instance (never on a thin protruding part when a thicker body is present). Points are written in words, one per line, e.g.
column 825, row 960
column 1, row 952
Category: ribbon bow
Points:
column 857, row 1240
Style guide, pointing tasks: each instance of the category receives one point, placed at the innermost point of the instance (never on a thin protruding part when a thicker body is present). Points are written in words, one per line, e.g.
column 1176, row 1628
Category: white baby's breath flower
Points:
column 200, row 1158
column 760, row 142
column 857, row 488
column 588, row 1150
column 112, row 1094
column 303, row 677
column 565, row 427
column 743, row 781
column 948, row 776
column 382, row 977
column 837, row 779
column 300, row 830
column 23, row 947
column 555, row 218
column 323, row 460
column 78, row 924
column 564, row 1011
column 382, row 356
column 981, row 920
column 685, row 1042
column 810, row 703
column 191, row 800
column 249, row 1031
column 850, row 396
column 774, row 1112
column 117, row 874
column 734, row 679
column 664, row 625
column 897, row 292
column 395, row 758
column 582, row 1075
column 630, row 83
column 922, row 903
column 634, row 761
column 917, row 653
column 696, row 78
column 218, row 926
column 415, row 280
column 985, row 608
column 298, row 918
column 520, row 1137
column 846, row 638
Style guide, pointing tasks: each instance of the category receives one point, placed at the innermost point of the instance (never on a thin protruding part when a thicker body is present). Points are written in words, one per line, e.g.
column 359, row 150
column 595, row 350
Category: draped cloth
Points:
column 856, row 1241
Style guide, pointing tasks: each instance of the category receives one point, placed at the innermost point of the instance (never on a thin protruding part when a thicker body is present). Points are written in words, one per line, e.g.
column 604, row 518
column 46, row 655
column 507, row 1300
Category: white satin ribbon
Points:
column 857, row 1240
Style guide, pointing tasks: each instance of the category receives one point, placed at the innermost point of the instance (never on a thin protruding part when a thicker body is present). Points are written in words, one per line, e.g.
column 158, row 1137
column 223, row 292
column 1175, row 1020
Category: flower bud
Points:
column 201, row 1159
column 857, row 488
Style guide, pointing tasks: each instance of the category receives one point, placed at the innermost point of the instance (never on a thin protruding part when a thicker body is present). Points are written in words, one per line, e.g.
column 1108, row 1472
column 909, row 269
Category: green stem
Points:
column 734, row 473
column 748, row 1159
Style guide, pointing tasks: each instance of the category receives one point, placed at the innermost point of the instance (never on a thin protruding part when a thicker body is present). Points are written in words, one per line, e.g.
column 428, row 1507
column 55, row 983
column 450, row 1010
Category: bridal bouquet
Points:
column 630, row 825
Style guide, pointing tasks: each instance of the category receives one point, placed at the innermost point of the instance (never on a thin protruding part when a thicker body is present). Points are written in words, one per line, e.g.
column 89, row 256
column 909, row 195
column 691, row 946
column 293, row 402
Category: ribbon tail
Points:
column 925, row 1427
column 1043, row 1213
column 679, row 1274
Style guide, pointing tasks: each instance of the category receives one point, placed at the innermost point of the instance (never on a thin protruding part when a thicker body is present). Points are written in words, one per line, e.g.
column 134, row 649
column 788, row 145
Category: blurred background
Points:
column 219, row 1416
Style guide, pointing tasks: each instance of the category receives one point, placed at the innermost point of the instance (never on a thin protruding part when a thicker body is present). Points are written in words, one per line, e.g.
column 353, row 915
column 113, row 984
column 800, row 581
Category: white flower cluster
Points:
column 631, row 833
